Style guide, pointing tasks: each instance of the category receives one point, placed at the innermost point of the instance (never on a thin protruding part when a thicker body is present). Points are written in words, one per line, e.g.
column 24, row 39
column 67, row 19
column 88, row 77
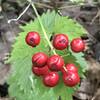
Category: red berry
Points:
column 71, row 79
column 39, row 59
column 70, row 68
column 77, row 45
column 51, row 79
column 32, row 39
column 40, row 71
column 55, row 63
column 60, row 41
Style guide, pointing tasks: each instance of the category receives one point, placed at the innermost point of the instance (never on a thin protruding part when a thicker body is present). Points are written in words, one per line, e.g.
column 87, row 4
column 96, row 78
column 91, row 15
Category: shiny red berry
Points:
column 55, row 63
column 60, row 41
column 51, row 79
column 70, row 68
column 32, row 39
column 39, row 59
column 40, row 71
column 71, row 79
column 77, row 45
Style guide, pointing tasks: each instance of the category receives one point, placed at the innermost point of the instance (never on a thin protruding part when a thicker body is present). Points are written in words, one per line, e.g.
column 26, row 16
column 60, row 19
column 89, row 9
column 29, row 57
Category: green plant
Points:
column 26, row 86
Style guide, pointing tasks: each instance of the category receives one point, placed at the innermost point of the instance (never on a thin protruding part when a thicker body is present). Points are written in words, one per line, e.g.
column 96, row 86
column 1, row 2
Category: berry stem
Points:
column 65, row 68
column 43, row 29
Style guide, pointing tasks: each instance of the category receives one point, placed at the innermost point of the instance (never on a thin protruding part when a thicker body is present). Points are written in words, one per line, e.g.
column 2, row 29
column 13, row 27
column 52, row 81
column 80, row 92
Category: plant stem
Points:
column 43, row 28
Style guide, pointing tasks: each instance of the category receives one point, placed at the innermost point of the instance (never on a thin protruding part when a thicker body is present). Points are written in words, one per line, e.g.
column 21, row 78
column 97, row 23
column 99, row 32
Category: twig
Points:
column 43, row 5
column 70, row 6
column 97, row 15
column 93, row 98
column 9, row 21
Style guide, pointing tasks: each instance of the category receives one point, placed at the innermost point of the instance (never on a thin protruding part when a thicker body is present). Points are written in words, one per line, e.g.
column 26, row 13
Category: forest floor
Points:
column 87, row 15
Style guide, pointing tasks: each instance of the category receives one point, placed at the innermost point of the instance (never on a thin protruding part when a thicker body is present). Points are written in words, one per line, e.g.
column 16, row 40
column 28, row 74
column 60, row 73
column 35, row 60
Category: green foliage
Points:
column 23, row 84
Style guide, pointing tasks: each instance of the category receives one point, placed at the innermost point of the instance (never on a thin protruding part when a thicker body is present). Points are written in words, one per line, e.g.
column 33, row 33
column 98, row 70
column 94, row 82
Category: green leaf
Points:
column 23, row 84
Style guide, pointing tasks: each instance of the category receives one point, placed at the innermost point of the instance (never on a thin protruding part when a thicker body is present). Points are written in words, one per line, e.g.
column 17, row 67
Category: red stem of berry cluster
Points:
column 53, row 50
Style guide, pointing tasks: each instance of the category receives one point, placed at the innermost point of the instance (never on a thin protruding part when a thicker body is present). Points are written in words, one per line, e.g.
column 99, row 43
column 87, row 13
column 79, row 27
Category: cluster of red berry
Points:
column 49, row 66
